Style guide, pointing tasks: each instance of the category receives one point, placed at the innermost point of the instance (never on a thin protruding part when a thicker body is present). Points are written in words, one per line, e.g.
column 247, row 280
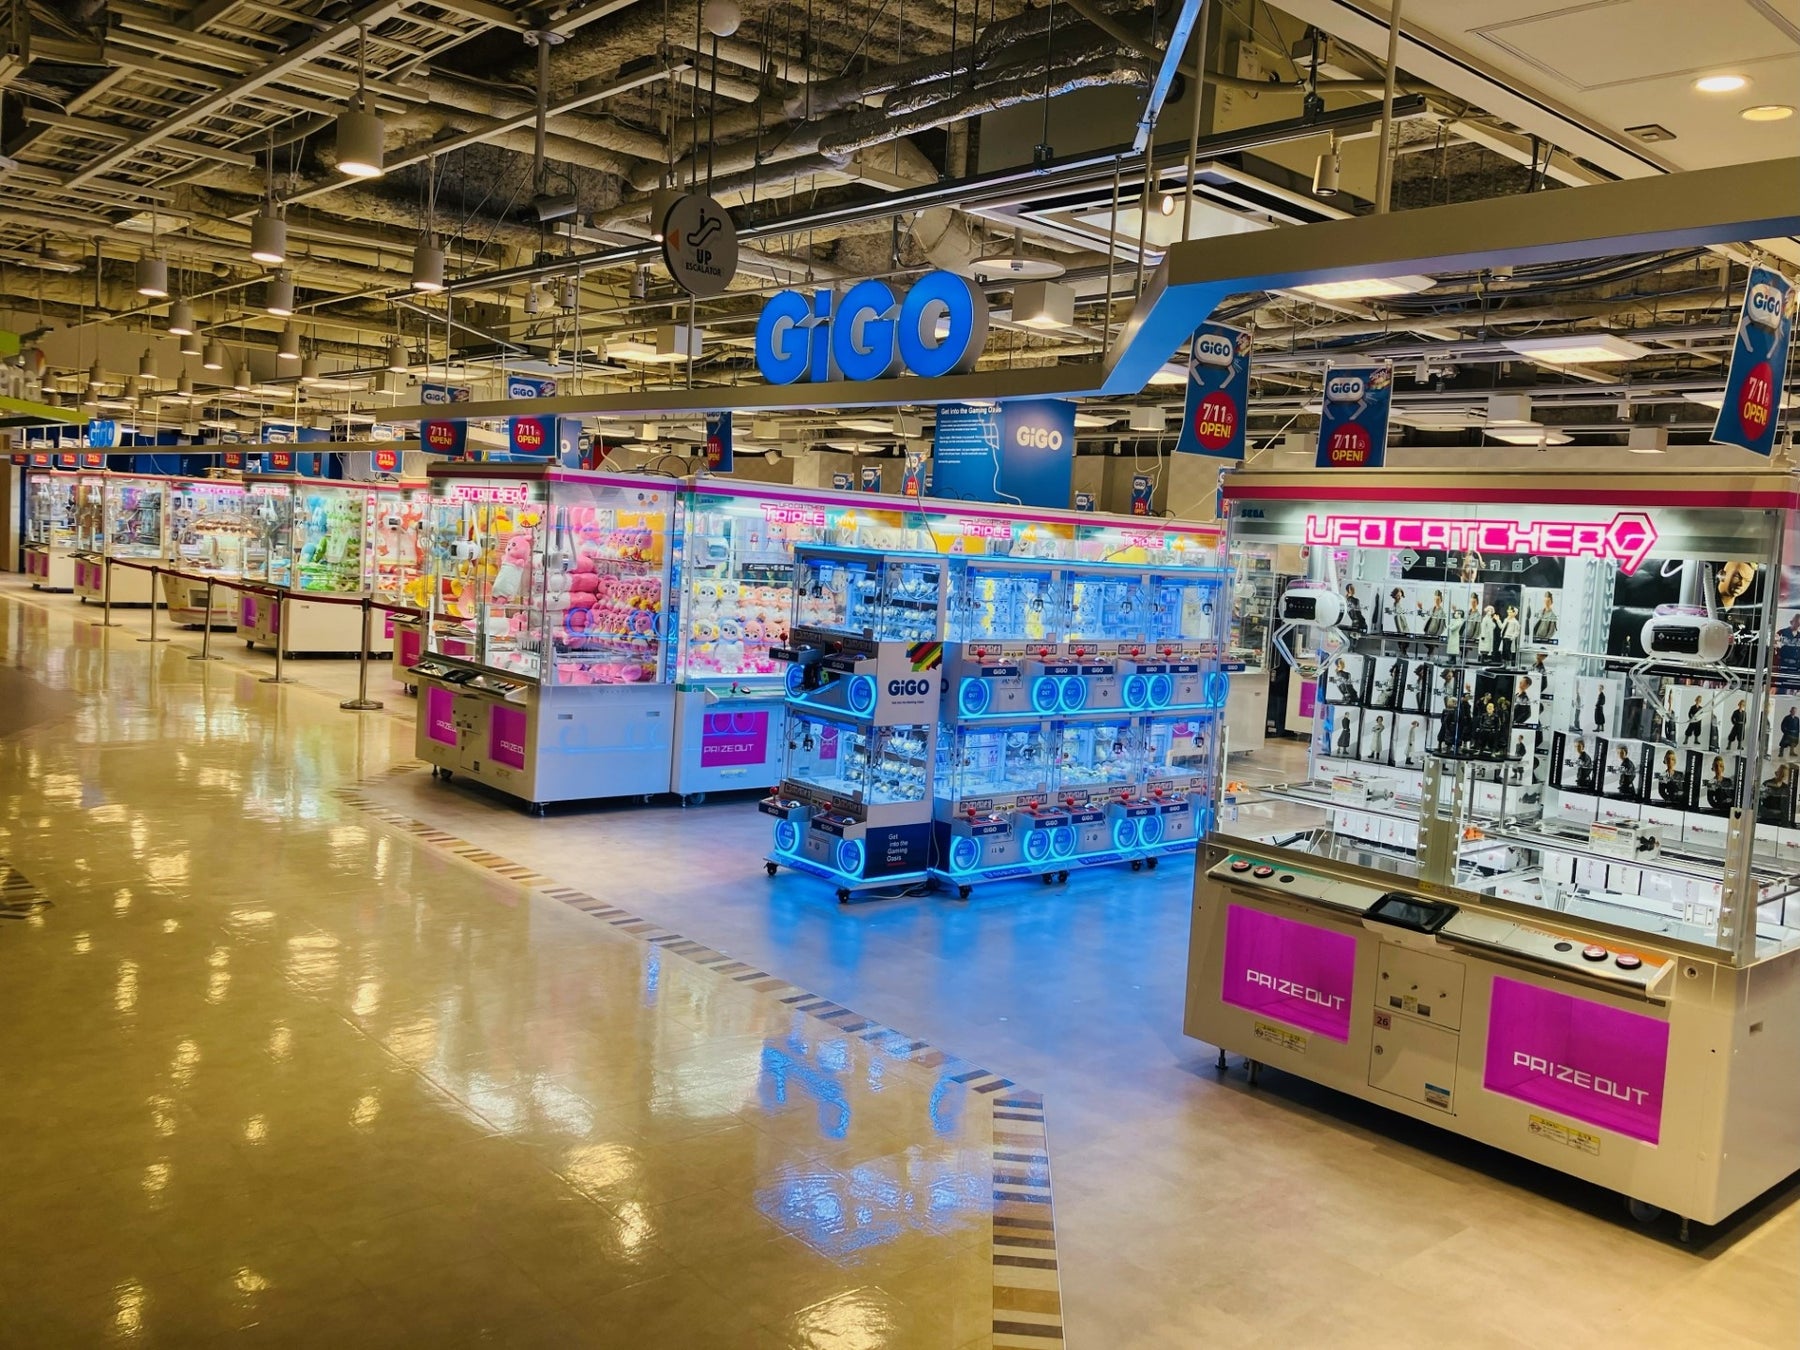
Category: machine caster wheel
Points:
column 445, row 774
column 964, row 892
column 1254, row 1071
column 536, row 809
column 1137, row 864
column 1150, row 863
column 694, row 799
column 647, row 797
column 1219, row 1064
column 843, row 895
column 1062, row 877
column 771, row 868
column 1641, row 1212
column 249, row 646
column 1049, row 877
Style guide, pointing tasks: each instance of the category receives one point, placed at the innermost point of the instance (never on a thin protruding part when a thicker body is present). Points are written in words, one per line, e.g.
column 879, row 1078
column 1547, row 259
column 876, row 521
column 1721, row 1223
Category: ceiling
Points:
column 860, row 139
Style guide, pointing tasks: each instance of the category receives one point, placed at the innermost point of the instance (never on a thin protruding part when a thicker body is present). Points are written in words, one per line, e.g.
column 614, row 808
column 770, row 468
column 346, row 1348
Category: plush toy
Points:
column 731, row 644
column 515, row 563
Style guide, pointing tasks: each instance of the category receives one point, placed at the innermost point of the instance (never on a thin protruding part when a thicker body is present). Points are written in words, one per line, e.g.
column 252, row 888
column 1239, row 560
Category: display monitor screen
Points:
column 1408, row 911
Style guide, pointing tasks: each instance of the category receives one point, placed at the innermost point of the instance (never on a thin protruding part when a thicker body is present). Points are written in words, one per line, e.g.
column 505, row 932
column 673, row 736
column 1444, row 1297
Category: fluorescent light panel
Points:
column 1365, row 288
column 1572, row 349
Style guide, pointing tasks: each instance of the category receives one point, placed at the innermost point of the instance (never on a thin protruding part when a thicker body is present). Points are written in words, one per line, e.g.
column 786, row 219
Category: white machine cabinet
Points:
column 1538, row 884
column 121, row 518
column 545, row 637
column 50, row 525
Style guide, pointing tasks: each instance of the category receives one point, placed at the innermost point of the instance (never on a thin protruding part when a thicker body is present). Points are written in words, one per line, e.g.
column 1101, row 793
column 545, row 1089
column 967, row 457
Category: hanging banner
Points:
column 446, row 436
column 533, row 437
column 1218, row 393
column 1037, row 451
column 94, row 461
column 842, row 482
column 718, row 442
column 528, row 386
column 1754, row 388
column 102, row 433
column 1143, row 487
column 1084, row 501
column 1353, row 422
column 871, row 478
column 965, row 453
column 912, row 478
column 445, row 393
column 281, row 461
column 387, row 461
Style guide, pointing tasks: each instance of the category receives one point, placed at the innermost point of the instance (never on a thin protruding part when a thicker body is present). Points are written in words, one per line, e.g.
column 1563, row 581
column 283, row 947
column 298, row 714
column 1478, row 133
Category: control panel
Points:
column 1408, row 917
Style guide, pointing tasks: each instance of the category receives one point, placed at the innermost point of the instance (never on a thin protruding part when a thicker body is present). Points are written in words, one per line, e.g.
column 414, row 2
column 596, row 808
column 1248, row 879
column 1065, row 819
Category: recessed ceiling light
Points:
column 1768, row 112
column 1720, row 84
column 1577, row 348
column 1527, row 433
column 1365, row 288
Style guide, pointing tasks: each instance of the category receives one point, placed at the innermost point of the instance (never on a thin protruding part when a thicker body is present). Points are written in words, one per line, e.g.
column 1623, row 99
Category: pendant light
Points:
column 428, row 266
column 147, row 364
column 287, row 347
column 181, row 319
column 96, row 376
column 134, row 388
column 240, row 380
column 278, row 295
column 190, row 344
column 153, row 277
column 268, row 237
column 214, row 357
column 361, row 135
column 309, row 370
column 397, row 359
column 184, row 385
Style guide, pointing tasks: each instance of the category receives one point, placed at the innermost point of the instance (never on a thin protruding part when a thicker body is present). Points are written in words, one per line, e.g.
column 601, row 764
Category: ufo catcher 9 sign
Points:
column 1218, row 393
column 1353, row 423
column 1751, row 407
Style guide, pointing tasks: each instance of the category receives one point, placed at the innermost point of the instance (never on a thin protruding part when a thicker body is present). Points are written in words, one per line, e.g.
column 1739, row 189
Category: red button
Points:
column 1264, row 871
column 1625, row 961
column 1240, row 866
column 1594, row 953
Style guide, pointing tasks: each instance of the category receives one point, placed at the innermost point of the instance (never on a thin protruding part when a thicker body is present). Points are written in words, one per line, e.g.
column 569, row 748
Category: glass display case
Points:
column 311, row 537
column 205, row 544
column 90, row 513
column 996, row 762
column 1097, row 757
column 1538, row 882
column 1004, row 601
column 50, row 527
column 881, row 598
column 853, row 762
column 124, row 518
column 541, row 580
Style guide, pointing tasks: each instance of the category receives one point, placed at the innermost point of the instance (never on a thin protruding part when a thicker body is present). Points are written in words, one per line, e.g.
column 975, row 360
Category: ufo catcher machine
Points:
column 1537, row 883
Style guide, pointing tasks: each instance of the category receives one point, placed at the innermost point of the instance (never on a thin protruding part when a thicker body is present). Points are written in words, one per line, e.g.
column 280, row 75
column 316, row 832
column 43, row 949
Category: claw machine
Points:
column 312, row 537
column 50, row 525
column 1538, row 883
column 207, row 536
column 544, row 673
column 125, row 518
column 402, row 585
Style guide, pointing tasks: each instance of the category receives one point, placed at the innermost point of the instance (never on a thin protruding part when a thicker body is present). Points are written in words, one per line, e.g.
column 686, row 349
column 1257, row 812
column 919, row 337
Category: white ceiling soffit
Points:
column 1578, row 75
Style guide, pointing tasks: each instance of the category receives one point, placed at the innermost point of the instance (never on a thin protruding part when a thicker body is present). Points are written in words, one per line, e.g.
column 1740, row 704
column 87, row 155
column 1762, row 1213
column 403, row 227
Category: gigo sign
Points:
column 1037, row 438
column 869, row 334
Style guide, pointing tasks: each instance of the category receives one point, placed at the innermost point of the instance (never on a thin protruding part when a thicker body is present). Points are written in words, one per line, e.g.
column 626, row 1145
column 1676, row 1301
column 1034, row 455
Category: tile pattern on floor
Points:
column 1027, row 1302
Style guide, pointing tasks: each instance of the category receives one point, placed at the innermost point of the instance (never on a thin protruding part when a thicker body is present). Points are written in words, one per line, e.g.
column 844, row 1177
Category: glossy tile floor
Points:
column 1190, row 1210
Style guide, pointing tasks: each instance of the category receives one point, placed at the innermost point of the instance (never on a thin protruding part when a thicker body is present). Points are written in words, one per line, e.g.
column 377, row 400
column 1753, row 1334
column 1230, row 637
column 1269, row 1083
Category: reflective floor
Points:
column 404, row 1102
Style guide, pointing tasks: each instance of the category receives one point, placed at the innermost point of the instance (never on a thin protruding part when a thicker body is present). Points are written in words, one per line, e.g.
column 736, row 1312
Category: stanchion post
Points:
column 106, row 593
column 362, row 702
column 281, row 623
column 205, row 652
column 155, row 587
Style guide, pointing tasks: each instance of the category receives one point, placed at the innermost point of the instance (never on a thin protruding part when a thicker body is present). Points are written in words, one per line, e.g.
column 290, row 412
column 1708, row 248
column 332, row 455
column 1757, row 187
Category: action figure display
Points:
column 1774, row 799
column 1487, row 633
column 1509, row 635
column 1435, row 621
column 1721, row 792
column 1543, row 628
column 1522, row 703
column 1790, row 734
column 1344, row 684
column 1584, row 768
column 1600, row 708
column 1627, row 772
column 1672, row 783
column 1453, row 634
column 1346, row 741
column 1422, row 688
column 1354, row 619
column 1739, row 718
column 1696, row 717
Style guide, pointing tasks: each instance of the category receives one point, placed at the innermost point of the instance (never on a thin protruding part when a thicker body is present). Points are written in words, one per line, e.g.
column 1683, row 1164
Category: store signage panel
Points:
column 1353, row 421
column 1143, row 488
column 1626, row 539
column 731, row 739
column 1084, row 501
column 1218, row 393
column 528, row 386
column 719, row 452
column 869, row 334
column 1598, row 1064
column 842, row 482
column 1759, row 357
column 965, row 452
column 1037, row 451
column 445, row 393
column 445, row 436
column 387, row 461
column 1290, row 971
column 699, row 245
column 871, row 478
column 506, row 735
column 440, row 704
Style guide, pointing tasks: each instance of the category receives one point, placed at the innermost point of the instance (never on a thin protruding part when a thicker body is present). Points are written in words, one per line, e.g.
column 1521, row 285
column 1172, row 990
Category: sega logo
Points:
column 908, row 688
column 1038, row 438
column 1214, row 349
column 1764, row 305
column 1344, row 388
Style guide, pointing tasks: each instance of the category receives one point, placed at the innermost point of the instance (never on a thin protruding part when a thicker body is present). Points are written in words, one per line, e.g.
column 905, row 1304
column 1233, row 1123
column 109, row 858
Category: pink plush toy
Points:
column 515, row 565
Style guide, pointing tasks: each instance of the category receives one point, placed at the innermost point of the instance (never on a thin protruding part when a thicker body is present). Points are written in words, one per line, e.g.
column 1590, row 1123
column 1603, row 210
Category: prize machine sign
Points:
column 1625, row 539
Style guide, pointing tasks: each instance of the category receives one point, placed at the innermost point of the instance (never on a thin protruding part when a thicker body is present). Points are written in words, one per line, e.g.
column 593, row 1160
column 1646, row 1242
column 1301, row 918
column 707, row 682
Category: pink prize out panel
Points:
column 387, row 623
column 506, row 736
column 1579, row 1058
column 733, row 738
column 409, row 642
column 1309, row 697
column 1290, row 971
column 439, row 725
column 247, row 611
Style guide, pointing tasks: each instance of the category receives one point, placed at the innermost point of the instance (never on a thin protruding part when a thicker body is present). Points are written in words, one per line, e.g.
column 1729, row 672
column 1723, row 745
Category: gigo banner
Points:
column 1291, row 972
column 1218, row 393
column 1353, row 423
column 1143, row 490
column 1037, row 451
column 718, row 442
column 1759, row 357
column 1590, row 1061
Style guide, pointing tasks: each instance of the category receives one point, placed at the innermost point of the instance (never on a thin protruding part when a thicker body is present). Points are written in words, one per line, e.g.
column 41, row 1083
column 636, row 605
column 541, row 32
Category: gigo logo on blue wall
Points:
column 868, row 334
column 1214, row 349
column 1038, row 438
column 908, row 688
column 1344, row 388
column 1763, row 305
